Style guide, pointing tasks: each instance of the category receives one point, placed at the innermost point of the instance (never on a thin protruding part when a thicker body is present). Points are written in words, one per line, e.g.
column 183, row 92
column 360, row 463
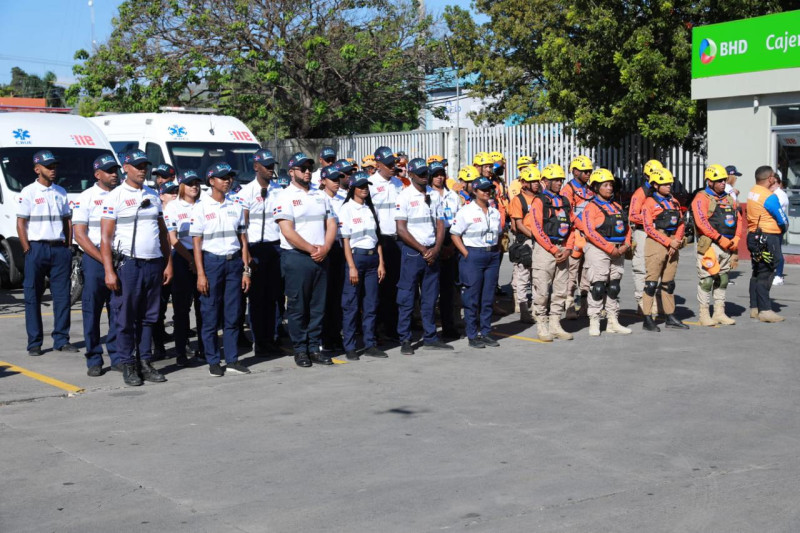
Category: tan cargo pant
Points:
column 545, row 272
column 637, row 264
column 521, row 279
column 600, row 266
column 724, row 259
column 659, row 265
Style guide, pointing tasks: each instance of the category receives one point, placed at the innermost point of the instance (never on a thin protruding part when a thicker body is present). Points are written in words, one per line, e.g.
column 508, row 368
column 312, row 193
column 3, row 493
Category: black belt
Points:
column 52, row 243
column 265, row 242
column 142, row 259
column 227, row 257
column 392, row 237
column 363, row 251
column 494, row 248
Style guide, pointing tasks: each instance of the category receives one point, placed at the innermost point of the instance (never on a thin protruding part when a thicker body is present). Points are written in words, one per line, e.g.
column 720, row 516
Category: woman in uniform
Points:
column 448, row 269
column 608, row 238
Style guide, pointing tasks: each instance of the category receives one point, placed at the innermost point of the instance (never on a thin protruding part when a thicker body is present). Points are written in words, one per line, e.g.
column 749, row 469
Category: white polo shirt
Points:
column 384, row 195
column 44, row 208
column 450, row 206
column 260, row 210
column 309, row 210
column 122, row 204
column 476, row 228
column 357, row 224
column 219, row 224
column 336, row 204
column 316, row 178
column 178, row 218
column 420, row 216
column 88, row 210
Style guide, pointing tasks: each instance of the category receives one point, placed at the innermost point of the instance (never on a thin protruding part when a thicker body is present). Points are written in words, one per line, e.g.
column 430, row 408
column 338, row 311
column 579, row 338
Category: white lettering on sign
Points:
column 731, row 48
column 784, row 42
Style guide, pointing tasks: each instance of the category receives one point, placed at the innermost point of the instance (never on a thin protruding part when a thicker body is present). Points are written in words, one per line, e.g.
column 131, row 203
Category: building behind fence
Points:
column 551, row 142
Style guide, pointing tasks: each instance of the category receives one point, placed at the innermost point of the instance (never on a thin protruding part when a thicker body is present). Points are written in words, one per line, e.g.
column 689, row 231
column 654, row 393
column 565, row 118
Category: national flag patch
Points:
column 108, row 210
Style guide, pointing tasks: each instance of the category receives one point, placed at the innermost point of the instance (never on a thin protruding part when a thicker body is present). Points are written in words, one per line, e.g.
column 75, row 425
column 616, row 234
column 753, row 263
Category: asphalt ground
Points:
column 675, row 431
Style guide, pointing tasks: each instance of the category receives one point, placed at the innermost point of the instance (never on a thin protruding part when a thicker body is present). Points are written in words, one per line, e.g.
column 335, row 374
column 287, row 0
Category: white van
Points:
column 185, row 141
column 75, row 140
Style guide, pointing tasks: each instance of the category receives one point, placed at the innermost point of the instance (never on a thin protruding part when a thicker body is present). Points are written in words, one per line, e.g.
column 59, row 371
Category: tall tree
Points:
column 26, row 85
column 317, row 68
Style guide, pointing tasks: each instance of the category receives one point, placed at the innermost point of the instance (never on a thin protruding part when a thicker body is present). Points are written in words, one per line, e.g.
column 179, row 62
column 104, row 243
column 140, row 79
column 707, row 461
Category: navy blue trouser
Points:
column 387, row 292
column 448, row 272
column 265, row 291
column 332, row 326
column 763, row 272
column 479, row 272
column 56, row 262
column 305, row 282
column 416, row 273
column 94, row 298
column 224, row 299
column 184, row 293
column 136, row 306
column 365, row 295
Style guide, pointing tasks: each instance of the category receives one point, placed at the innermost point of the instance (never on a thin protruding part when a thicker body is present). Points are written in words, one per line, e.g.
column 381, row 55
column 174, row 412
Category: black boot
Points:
column 130, row 376
column 674, row 323
column 151, row 374
column 650, row 324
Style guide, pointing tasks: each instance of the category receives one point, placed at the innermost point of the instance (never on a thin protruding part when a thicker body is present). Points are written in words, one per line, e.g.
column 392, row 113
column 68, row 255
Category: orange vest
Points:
column 757, row 214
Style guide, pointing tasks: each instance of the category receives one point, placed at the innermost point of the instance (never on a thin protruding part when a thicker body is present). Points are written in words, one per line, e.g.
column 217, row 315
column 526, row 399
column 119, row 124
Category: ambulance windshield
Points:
column 199, row 156
column 74, row 173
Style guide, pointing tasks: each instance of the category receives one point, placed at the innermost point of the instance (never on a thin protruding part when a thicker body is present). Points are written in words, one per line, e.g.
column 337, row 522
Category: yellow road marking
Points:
column 41, row 377
column 529, row 339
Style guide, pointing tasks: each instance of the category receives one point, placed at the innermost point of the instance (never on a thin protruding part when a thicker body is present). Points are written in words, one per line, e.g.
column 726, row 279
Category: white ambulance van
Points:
column 184, row 140
column 75, row 140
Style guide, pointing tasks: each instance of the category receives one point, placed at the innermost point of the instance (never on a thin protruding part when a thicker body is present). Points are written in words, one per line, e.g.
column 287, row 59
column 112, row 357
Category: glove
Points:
column 724, row 243
column 767, row 257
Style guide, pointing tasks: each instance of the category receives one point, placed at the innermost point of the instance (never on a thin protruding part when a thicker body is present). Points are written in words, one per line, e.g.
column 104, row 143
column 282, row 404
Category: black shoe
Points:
column 95, row 371
column 406, row 349
column 352, row 355
column 320, row 359
column 216, row 370
column 489, row 341
column 237, row 368
column 674, row 323
column 35, row 351
column 117, row 368
column 181, row 360
column 151, row 374
column 476, row 343
column 301, row 359
column 649, row 324
column 452, row 334
column 67, row 348
column 374, row 351
column 436, row 345
column 130, row 376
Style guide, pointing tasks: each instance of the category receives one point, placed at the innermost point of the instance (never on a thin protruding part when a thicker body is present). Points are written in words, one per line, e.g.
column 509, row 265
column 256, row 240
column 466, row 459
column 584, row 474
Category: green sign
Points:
column 750, row 45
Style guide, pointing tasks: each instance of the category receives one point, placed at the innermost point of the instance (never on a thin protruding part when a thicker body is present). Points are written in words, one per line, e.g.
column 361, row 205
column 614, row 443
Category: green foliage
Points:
column 24, row 85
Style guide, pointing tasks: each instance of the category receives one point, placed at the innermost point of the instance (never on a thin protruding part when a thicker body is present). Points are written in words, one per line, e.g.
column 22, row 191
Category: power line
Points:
column 6, row 57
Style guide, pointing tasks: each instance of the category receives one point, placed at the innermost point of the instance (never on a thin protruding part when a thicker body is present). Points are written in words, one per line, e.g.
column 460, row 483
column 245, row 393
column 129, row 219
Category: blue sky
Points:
column 64, row 26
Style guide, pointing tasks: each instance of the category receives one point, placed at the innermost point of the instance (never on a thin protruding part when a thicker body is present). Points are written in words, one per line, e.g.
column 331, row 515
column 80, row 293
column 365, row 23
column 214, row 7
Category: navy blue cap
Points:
column 105, row 162
column 732, row 170
column 219, row 170
column 344, row 166
column 283, row 180
column 169, row 187
column 188, row 176
column 359, row 179
column 418, row 166
column 330, row 173
column 135, row 157
column 436, row 167
column 44, row 157
column 327, row 151
column 483, row 184
column 164, row 170
column 385, row 155
column 299, row 159
column 264, row 157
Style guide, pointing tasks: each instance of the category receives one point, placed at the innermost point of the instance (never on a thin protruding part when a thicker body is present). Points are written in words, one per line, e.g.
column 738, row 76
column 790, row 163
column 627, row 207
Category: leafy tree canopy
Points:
column 24, row 85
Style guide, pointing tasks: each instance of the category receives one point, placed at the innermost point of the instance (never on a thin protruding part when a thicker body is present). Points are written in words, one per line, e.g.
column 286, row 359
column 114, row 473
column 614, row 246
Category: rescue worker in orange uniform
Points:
column 550, row 221
column 664, row 227
column 637, row 225
column 578, row 194
column 716, row 220
column 515, row 186
column 518, row 208
column 608, row 238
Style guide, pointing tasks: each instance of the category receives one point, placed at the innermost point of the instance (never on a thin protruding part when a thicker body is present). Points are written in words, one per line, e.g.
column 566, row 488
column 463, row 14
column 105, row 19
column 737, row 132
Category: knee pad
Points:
column 722, row 282
column 669, row 287
column 598, row 290
column 613, row 288
column 650, row 287
column 706, row 284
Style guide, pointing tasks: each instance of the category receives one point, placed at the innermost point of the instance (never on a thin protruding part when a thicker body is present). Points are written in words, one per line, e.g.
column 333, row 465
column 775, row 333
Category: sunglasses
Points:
column 329, row 159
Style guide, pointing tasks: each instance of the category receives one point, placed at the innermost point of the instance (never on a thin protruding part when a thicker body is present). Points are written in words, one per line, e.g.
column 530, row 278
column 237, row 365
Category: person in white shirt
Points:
column 327, row 156
column 86, row 215
column 219, row 244
column 167, row 193
column 135, row 250
column 45, row 234
column 730, row 184
column 476, row 234
column 331, row 176
column 420, row 226
column 449, row 259
column 779, row 189
column 308, row 230
column 384, row 189
column 178, row 219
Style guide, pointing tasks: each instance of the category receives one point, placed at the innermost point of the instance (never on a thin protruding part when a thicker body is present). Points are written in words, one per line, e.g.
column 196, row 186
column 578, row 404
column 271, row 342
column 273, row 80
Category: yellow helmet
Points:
column 716, row 173
column 553, row 172
column 468, row 173
column 649, row 166
column 368, row 161
column 530, row 173
column 581, row 163
column 482, row 158
column 524, row 161
column 434, row 159
column 601, row 175
column 662, row 176
column 497, row 157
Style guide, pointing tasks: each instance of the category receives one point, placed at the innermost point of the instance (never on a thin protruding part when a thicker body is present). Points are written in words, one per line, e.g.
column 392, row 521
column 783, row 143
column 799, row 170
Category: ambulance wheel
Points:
column 11, row 276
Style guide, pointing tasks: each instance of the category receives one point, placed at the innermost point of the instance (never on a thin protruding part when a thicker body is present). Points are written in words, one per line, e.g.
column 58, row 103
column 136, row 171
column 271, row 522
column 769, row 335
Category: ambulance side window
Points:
column 154, row 154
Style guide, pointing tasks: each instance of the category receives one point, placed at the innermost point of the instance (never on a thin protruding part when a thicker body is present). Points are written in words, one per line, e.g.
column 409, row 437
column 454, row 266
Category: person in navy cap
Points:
column 167, row 192
column 162, row 174
column 420, row 226
column 384, row 189
column 327, row 157
column 331, row 177
column 730, row 184
column 136, row 259
column 308, row 229
column 86, row 214
column 45, row 234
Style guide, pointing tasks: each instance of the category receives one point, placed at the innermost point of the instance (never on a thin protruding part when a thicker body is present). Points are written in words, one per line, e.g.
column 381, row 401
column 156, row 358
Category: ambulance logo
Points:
column 177, row 131
column 21, row 136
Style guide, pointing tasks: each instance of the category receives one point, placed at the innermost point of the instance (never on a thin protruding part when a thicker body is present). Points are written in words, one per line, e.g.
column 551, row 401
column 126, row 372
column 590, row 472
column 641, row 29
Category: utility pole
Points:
column 458, row 101
column 91, row 11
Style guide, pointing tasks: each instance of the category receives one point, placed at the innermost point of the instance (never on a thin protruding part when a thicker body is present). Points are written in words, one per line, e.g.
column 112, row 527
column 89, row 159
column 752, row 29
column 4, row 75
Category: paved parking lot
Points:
column 677, row 431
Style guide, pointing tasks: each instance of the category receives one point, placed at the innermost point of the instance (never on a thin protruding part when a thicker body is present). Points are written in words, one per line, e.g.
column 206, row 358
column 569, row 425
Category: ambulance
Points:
column 76, row 141
column 187, row 141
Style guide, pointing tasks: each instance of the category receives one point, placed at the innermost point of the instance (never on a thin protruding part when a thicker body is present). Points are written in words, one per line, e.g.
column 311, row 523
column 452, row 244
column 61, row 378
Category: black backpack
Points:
column 518, row 252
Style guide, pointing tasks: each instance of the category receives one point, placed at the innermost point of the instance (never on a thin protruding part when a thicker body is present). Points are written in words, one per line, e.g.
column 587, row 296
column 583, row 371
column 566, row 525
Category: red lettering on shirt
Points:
column 381, row 189
column 477, row 220
column 183, row 216
column 356, row 221
column 211, row 216
column 130, row 201
column 414, row 203
column 297, row 202
column 39, row 200
column 98, row 202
